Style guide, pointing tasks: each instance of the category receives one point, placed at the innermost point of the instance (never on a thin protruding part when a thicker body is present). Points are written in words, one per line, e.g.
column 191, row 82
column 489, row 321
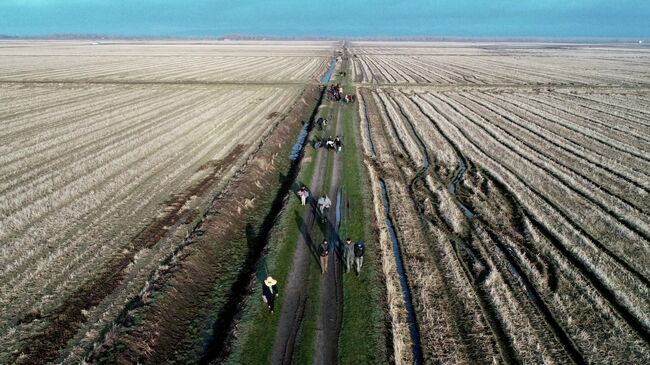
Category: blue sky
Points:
column 471, row 18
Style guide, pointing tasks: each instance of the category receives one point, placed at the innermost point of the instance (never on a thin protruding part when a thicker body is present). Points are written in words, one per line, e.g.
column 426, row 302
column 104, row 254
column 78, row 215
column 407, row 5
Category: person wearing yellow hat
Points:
column 270, row 292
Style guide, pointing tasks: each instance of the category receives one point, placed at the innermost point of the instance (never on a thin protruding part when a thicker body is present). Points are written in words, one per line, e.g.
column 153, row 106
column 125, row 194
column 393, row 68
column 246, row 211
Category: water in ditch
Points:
column 412, row 322
column 216, row 346
column 330, row 71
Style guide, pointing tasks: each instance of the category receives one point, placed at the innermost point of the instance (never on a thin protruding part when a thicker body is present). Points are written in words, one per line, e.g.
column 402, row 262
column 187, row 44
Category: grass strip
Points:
column 306, row 339
column 362, row 338
column 257, row 327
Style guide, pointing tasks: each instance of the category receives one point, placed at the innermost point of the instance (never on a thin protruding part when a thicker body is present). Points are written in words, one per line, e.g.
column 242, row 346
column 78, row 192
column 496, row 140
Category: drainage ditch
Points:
column 412, row 322
column 369, row 135
column 218, row 344
column 330, row 71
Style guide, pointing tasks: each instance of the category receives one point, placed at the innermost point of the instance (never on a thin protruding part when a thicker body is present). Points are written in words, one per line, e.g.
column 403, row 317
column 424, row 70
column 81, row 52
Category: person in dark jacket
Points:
column 338, row 144
column 324, row 253
column 270, row 292
column 359, row 251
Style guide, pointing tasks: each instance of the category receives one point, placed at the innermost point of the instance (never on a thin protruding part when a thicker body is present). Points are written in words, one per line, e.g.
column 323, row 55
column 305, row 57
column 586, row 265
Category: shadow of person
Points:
column 304, row 231
column 331, row 233
column 261, row 270
column 296, row 186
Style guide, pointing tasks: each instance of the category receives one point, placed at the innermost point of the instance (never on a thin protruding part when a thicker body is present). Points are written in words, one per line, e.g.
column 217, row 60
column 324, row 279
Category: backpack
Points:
column 359, row 249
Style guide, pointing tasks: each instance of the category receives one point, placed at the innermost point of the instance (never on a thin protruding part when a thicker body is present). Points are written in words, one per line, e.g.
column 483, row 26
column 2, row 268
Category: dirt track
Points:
column 331, row 285
column 295, row 293
column 295, row 296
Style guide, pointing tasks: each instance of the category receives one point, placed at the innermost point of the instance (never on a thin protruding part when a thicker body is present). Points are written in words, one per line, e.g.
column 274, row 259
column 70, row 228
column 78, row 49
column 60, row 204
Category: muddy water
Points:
column 330, row 71
column 413, row 327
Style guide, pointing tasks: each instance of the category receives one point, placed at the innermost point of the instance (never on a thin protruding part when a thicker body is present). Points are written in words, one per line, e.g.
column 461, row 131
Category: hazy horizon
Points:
column 334, row 19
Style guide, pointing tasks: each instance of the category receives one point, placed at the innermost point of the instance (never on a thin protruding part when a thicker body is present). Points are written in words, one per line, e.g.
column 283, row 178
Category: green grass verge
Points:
column 362, row 338
column 258, row 327
column 306, row 339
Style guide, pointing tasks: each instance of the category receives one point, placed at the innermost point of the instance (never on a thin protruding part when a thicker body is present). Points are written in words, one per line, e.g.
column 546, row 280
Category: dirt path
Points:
column 331, row 290
column 295, row 295
column 328, row 324
column 295, row 292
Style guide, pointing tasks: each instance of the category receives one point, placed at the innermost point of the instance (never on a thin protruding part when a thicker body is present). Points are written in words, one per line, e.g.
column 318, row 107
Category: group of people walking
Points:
column 332, row 144
column 334, row 92
column 321, row 123
column 353, row 252
column 352, row 255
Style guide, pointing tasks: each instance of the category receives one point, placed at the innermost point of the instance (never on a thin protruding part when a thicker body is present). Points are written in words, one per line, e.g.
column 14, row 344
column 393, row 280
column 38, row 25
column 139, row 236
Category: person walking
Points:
column 303, row 194
column 338, row 144
column 324, row 204
column 348, row 254
column 324, row 252
column 270, row 292
column 330, row 143
column 359, row 251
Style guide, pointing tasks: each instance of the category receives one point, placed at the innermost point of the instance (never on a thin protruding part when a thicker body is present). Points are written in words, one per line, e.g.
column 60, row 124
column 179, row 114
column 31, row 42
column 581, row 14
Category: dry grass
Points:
column 557, row 177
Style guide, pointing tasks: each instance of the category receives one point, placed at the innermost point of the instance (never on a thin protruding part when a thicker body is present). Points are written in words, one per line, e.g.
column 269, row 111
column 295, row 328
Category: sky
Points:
column 334, row 18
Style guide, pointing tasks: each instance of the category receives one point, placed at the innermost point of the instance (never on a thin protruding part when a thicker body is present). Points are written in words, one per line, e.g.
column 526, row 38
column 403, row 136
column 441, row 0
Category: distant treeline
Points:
column 241, row 37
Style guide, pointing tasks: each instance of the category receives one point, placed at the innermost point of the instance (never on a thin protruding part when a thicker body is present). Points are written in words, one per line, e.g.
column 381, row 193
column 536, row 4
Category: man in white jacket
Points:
column 324, row 204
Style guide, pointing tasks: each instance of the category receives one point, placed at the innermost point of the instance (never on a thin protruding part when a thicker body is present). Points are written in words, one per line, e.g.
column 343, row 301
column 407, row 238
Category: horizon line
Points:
column 243, row 37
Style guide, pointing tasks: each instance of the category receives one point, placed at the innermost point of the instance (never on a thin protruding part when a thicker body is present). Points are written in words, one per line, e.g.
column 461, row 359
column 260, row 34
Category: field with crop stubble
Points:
column 111, row 153
column 145, row 190
column 517, row 176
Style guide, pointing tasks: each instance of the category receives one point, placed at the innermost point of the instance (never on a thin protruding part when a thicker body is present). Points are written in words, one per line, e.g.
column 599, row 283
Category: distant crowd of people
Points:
column 335, row 93
column 335, row 144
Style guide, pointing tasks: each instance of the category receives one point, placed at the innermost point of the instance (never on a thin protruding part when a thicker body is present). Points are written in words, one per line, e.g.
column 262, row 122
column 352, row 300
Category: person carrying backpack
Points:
column 324, row 252
column 359, row 251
